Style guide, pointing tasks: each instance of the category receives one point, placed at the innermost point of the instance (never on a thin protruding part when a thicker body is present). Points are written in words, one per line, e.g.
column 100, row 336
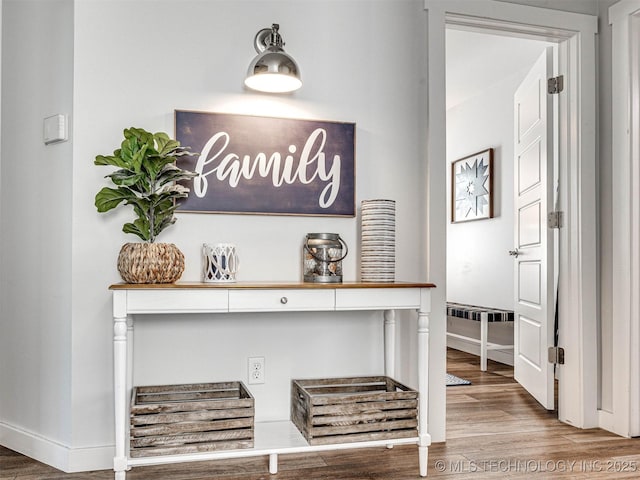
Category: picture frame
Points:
column 472, row 187
column 258, row 165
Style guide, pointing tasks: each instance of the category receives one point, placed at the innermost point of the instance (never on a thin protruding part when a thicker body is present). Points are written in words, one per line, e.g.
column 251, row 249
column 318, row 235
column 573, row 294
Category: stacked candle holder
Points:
column 378, row 242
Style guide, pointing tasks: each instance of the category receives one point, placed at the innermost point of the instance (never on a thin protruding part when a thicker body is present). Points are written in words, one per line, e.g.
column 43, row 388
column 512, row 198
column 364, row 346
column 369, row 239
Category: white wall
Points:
column 124, row 64
column 35, row 223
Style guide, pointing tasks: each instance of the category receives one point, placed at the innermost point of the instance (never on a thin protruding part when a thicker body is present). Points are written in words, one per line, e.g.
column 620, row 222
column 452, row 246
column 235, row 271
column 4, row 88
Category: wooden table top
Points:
column 268, row 285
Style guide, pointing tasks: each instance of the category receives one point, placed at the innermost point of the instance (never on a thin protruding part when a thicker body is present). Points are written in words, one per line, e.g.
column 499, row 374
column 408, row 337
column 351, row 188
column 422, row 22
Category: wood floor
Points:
column 494, row 430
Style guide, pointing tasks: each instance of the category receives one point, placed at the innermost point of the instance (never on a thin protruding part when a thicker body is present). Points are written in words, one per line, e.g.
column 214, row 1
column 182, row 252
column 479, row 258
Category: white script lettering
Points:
column 232, row 168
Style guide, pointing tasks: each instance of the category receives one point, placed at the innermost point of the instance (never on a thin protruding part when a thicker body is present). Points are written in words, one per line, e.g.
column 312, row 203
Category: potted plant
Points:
column 146, row 179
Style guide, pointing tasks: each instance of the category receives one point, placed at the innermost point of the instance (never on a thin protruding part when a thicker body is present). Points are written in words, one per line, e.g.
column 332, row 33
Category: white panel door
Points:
column 533, row 255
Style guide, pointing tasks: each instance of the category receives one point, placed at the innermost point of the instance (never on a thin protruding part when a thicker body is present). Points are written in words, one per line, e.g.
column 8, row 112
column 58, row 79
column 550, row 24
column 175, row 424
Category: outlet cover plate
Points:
column 255, row 370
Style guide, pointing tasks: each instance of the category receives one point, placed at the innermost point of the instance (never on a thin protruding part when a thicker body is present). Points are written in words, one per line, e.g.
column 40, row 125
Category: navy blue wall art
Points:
column 264, row 165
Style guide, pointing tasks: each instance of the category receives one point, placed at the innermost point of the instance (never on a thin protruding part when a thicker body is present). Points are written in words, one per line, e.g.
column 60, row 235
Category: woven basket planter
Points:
column 150, row 263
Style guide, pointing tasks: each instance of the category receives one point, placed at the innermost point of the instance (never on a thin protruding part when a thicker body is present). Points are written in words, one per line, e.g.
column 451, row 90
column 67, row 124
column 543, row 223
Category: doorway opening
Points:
column 484, row 70
column 578, row 328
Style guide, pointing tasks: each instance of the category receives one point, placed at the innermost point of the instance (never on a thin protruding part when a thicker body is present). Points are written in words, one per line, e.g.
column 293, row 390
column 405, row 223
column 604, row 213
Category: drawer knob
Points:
column 284, row 300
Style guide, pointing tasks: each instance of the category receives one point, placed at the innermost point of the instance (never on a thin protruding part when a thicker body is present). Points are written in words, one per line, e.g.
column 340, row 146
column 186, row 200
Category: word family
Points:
column 310, row 166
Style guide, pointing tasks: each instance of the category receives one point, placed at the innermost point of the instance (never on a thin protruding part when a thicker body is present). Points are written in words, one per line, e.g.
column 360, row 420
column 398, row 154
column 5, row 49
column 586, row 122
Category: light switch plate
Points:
column 55, row 129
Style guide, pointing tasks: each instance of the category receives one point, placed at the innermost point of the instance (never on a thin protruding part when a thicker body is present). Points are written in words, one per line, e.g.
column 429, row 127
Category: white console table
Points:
column 271, row 438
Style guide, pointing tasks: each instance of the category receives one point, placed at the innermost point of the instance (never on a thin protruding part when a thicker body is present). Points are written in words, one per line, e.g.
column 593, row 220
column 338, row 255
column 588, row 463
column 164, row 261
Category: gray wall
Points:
column 35, row 220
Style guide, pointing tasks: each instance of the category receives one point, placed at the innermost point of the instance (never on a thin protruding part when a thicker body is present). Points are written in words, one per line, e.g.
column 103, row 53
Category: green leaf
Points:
column 166, row 206
column 163, row 223
column 179, row 152
column 139, row 227
column 140, row 134
column 138, row 157
column 142, row 222
column 174, row 190
column 171, row 147
column 128, row 149
column 125, row 178
column 141, row 205
column 161, row 140
column 164, row 216
column 153, row 165
column 171, row 173
column 109, row 198
column 116, row 161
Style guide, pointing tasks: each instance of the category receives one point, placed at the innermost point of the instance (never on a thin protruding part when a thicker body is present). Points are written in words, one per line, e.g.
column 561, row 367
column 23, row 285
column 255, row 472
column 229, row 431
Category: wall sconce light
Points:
column 273, row 70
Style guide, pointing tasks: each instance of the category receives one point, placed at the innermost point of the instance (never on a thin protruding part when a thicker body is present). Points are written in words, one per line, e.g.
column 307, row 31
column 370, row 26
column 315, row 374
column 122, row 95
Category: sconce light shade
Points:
column 273, row 70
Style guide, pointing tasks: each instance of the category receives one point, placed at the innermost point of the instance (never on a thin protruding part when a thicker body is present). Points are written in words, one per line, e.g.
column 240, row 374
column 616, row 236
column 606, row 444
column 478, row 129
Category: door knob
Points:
column 514, row 253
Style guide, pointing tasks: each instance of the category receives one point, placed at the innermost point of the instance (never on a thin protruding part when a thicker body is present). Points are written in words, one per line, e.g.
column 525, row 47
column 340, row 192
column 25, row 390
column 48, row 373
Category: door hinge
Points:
column 555, row 219
column 555, row 85
column 556, row 355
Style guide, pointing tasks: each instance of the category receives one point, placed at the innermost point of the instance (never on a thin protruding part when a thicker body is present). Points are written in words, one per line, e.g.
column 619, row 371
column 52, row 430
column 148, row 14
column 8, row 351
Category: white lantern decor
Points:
column 220, row 263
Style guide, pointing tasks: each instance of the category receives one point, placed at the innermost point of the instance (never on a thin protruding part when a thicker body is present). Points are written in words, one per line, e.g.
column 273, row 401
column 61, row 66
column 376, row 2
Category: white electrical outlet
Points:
column 256, row 370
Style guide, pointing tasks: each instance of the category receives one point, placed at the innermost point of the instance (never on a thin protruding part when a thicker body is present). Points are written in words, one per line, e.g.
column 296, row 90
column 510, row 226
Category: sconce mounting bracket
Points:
column 268, row 37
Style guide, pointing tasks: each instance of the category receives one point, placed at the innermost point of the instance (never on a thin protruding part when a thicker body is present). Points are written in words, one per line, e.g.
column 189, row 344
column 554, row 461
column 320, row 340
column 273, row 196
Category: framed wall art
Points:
column 264, row 165
column 471, row 187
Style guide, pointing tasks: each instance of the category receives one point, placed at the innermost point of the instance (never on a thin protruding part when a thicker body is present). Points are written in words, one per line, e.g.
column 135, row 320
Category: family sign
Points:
column 265, row 165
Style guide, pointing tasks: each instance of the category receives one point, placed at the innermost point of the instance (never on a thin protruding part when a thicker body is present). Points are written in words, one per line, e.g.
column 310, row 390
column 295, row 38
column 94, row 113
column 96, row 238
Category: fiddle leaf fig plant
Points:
column 146, row 179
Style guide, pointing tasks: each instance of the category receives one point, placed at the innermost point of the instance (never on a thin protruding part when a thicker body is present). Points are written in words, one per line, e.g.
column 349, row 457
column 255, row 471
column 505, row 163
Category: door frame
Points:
column 624, row 419
column 575, row 33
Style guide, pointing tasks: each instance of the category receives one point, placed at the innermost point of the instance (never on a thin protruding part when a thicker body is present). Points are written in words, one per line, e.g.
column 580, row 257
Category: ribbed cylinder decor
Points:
column 378, row 243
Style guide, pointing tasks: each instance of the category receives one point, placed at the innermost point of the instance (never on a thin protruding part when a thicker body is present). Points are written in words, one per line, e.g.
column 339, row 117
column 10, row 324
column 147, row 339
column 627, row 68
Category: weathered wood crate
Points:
column 353, row 409
column 191, row 418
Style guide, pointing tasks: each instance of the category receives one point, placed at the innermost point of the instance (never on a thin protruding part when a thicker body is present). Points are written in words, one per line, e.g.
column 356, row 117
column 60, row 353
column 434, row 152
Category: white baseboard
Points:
column 501, row 356
column 55, row 454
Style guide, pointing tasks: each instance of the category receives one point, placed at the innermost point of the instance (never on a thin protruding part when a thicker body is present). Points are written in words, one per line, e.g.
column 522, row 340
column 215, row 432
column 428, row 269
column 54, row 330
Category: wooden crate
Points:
column 353, row 409
column 192, row 418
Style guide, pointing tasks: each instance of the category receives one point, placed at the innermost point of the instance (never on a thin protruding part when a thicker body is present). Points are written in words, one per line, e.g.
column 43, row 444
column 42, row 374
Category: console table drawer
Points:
column 281, row 300
column 378, row 298
column 176, row 301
